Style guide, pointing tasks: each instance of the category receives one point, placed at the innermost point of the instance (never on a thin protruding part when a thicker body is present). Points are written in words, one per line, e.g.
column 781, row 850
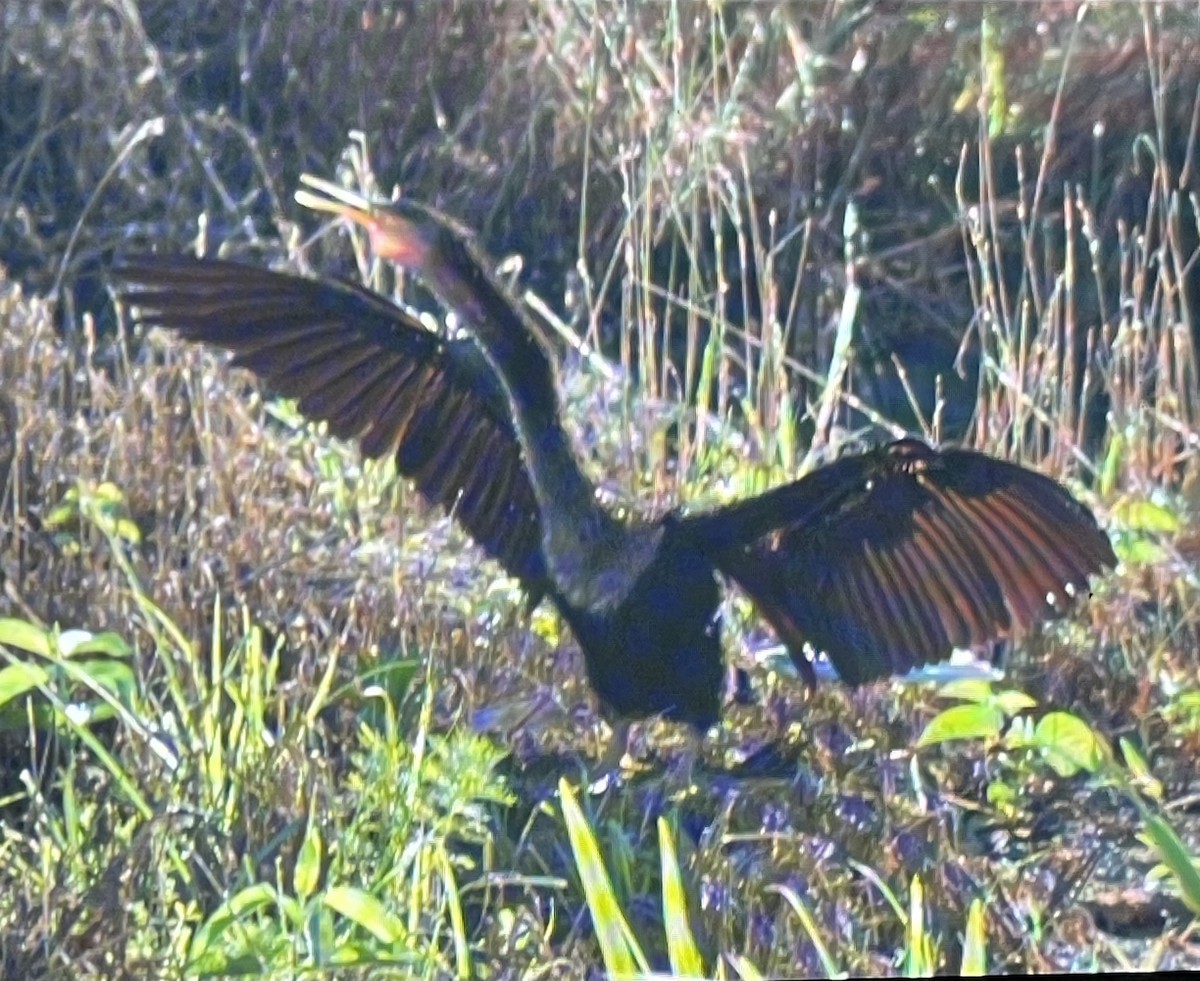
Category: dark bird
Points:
column 884, row 561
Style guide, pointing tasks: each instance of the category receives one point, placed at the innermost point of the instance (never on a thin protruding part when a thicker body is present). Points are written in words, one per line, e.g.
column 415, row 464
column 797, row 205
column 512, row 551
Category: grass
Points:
column 264, row 714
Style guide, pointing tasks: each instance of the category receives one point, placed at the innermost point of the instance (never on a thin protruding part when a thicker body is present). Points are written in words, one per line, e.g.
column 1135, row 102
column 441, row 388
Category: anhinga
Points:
column 884, row 561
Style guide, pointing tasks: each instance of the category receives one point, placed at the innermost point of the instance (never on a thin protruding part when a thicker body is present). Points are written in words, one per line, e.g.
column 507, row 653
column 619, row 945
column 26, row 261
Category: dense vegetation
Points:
column 264, row 713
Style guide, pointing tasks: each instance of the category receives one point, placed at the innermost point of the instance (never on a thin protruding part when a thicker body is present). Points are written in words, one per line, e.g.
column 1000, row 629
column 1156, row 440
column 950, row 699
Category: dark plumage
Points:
column 885, row 561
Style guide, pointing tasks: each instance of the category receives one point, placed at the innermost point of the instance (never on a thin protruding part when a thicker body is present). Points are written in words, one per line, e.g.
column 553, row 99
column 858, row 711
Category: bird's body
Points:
column 885, row 560
column 650, row 632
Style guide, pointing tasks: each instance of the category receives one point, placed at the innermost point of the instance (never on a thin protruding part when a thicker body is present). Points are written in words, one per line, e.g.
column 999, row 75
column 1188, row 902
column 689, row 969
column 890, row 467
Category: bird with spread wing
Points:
column 884, row 561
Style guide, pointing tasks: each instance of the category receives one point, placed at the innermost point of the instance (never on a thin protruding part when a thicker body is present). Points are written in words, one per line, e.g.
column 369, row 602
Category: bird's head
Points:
column 411, row 235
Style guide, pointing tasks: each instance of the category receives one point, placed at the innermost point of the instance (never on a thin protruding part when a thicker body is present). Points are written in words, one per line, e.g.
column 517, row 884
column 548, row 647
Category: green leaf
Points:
column 462, row 949
column 1069, row 744
column 967, row 690
column 19, row 679
column 1139, row 514
column 994, row 76
column 1177, row 858
column 248, row 900
column 682, row 949
column 1110, row 469
column 1135, row 549
column 745, row 968
column 623, row 957
column 26, row 636
column 1012, row 702
column 1001, row 796
column 75, row 643
column 810, row 927
column 114, row 676
column 365, row 910
column 974, row 951
column 971, row 721
column 108, row 493
column 307, row 874
column 1139, row 766
column 919, row 956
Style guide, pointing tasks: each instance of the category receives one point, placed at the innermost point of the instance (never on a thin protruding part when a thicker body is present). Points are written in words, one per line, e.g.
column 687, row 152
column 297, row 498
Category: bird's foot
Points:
column 617, row 764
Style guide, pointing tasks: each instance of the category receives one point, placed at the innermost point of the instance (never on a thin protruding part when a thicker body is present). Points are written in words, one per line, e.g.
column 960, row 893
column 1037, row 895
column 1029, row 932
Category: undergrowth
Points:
column 265, row 714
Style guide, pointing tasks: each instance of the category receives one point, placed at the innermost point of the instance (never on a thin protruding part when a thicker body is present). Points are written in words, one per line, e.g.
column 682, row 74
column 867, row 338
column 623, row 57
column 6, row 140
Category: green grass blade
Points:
column 974, row 952
column 623, row 957
column 810, row 927
column 681, row 942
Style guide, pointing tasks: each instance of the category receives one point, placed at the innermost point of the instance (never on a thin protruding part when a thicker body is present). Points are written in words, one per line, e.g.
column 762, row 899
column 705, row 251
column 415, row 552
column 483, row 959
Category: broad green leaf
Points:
column 114, row 676
column 1012, row 702
column 19, row 679
column 74, row 643
column 967, row 690
column 1069, row 744
column 248, row 900
column 26, row 636
column 1133, row 549
column 364, row 909
column 1139, row 514
column 971, row 721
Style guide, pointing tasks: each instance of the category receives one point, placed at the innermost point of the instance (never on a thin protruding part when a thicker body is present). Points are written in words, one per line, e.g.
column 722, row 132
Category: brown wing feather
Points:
column 891, row 559
column 373, row 373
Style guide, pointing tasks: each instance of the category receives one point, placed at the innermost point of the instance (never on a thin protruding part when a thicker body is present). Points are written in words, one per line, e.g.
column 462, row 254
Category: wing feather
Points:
column 893, row 558
column 371, row 371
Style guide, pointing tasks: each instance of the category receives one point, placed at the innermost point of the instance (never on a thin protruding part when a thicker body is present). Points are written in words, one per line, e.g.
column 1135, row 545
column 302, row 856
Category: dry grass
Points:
column 678, row 181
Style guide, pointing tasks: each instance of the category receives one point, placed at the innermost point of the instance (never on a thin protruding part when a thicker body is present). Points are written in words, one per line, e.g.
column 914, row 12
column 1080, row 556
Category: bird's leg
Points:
column 680, row 775
column 612, row 757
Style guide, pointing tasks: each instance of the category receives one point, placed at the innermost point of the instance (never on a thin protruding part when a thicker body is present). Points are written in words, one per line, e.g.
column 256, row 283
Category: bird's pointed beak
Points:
column 393, row 236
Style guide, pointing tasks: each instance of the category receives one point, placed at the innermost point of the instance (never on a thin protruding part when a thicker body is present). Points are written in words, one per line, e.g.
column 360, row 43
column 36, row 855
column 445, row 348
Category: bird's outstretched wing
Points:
column 373, row 373
column 891, row 559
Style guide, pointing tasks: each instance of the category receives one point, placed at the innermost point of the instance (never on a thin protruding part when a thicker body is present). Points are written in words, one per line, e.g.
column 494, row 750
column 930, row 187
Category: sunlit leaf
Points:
column 967, row 690
column 623, row 958
column 972, row 721
column 19, row 679
column 25, row 636
column 1069, row 744
column 1110, row 469
column 1175, row 855
column 1139, row 766
column 1134, row 549
column 240, row 904
column 1012, row 702
column 74, row 643
column 974, row 951
column 745, row 968
column 307, row 874
column 1140, row 514
column 919, row 959
column 365, row 910
column 810, row 927
column 682, row 949
column 994, row 76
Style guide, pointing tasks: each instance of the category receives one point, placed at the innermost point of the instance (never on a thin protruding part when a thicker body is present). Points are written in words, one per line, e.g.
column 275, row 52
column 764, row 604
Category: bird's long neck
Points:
column 576, row 527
